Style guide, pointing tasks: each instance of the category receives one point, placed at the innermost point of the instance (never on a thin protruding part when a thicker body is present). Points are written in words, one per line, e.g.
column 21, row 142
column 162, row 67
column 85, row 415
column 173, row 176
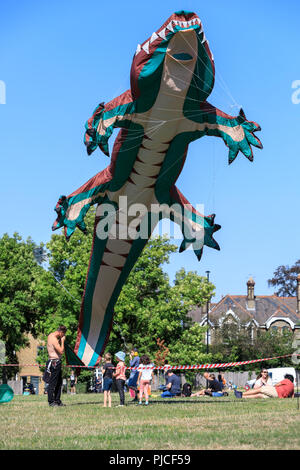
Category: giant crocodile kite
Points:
column 172, row 75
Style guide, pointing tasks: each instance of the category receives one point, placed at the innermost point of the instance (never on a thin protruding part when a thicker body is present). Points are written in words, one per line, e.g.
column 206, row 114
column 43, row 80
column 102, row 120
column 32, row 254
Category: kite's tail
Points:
column 110, row 264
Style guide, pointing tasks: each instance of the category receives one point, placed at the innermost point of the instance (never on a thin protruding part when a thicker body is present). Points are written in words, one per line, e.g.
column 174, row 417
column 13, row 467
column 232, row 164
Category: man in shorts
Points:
column 283, row 389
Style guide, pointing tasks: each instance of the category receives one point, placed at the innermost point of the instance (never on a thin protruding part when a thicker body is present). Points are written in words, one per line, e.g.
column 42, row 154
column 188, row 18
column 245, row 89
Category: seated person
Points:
column 283, row 389
column 262, row 379
column 173, row 385
column 214, row 389
column 222, row 379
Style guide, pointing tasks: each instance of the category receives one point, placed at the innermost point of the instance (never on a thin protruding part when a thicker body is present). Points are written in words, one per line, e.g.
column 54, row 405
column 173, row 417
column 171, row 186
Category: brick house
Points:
column 30, row 373
column 253, row 312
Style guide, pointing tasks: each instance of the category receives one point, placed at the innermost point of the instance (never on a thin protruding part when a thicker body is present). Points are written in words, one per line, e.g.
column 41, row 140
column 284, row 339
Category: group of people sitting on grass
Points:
column 141, row 377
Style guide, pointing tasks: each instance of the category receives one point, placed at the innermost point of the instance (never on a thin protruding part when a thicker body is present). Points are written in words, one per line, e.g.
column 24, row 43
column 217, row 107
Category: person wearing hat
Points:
column 120, row 376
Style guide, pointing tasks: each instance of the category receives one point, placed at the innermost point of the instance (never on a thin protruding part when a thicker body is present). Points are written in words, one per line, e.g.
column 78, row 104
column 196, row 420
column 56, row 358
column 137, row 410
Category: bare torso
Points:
column 52, row 343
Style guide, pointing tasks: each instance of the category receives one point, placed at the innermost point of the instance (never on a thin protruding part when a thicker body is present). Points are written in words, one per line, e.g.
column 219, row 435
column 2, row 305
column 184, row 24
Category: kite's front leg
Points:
column 237, row 132
column 72, row 209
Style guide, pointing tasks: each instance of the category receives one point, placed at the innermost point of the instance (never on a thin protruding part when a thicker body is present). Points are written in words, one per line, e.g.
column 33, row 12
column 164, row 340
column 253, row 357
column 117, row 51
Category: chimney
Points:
column 298, row 293
column 251, row 296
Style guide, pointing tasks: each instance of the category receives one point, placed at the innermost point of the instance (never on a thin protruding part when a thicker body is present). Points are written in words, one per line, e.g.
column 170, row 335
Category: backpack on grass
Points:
column 187, row 390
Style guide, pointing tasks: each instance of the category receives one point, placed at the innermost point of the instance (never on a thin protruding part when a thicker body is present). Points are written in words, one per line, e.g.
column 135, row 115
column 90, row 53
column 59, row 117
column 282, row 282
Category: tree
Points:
column 233, row 342
column 190, row 347
column 19, row 274
column 61, row 284
column 285, row 280
column 150, row 308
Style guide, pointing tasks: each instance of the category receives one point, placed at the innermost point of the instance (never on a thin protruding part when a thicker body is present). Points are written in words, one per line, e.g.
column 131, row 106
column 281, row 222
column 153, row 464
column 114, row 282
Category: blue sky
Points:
column 59, row 59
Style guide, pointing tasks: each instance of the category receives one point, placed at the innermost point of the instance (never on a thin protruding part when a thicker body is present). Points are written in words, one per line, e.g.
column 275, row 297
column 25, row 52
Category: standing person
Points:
column 107, row 373
column 55, row 347
column 262, row 379
column 120, row 376
column 132, row 381
column 144, row 378
column 73, row 382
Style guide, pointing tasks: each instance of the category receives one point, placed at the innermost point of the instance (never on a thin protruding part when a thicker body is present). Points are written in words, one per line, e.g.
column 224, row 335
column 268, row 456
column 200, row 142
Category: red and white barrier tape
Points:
column 192, row 367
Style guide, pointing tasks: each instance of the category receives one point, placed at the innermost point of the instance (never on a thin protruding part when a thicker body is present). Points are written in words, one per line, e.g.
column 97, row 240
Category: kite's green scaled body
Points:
column 172, row 75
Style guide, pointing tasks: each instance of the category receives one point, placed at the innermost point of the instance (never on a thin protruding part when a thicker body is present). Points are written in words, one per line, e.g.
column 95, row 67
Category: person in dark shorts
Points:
column 214, row 387
column 107, row 373
column 73, row 382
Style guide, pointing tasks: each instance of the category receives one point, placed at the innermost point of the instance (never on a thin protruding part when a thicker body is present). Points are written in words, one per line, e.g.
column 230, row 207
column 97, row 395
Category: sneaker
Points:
column 52, row 404
column 60, row 404
column 140, row 403
column 146, row 403
column 118, row 406
column 238, row 394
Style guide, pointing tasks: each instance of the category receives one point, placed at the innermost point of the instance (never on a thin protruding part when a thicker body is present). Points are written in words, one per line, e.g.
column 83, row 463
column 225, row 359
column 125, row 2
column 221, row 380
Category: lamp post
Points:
column 207, row 319
column 207, row 315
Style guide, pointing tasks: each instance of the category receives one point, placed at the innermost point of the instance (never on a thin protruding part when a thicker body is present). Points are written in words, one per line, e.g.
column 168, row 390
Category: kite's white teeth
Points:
column 146, row 47
column 186, row 24
column 170, row 27
column 153, row 37
column 162, row 34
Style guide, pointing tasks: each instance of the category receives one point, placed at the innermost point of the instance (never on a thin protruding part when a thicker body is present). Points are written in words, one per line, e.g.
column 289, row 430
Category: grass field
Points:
column 27, row 422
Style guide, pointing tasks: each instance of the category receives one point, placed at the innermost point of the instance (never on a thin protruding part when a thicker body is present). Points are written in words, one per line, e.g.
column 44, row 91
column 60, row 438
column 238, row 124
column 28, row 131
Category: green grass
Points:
column 27, row 422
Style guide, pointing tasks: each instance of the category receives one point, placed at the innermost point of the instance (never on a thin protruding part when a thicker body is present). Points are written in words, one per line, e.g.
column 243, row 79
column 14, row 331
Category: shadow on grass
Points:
column 171, row 401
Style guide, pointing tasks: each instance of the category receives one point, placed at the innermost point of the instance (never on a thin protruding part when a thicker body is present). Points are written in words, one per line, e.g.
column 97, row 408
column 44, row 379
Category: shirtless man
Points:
column 55, row 347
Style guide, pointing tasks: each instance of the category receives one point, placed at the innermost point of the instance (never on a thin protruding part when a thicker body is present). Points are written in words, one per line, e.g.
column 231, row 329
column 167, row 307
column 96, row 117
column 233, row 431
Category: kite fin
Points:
column 73, row 360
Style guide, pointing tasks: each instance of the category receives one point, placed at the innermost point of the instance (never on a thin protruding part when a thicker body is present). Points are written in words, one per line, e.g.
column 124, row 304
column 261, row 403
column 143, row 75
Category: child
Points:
column 144, row 379
column 107, row 371
column 120, row 376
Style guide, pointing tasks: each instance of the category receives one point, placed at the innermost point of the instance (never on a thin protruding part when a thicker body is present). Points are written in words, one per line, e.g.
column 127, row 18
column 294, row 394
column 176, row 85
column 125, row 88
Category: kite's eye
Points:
column 182, row 56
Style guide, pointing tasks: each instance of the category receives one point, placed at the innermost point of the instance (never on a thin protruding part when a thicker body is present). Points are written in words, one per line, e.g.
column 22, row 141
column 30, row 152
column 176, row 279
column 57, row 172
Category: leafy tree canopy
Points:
column 19, row 274
column 285, row 280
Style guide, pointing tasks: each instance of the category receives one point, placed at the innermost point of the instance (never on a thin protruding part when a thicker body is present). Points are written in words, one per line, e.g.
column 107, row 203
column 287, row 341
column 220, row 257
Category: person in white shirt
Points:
column 262, row 379
column 144, row 378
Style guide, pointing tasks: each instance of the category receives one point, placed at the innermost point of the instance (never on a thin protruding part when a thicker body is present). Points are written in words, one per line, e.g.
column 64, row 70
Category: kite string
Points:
column 76, row 300
column 226, row 89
